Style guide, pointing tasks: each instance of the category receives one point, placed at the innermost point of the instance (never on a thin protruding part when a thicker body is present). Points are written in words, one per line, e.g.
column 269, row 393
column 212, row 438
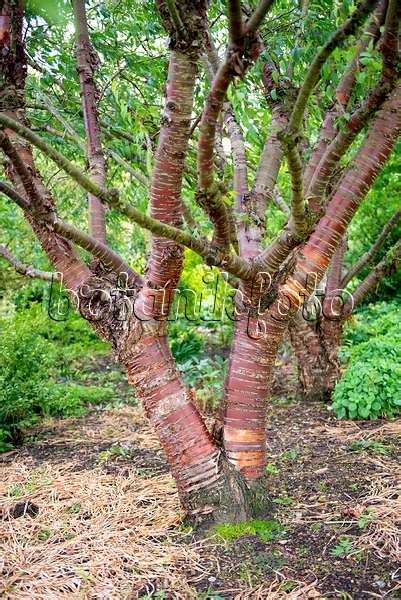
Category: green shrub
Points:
column 371, row 386
column 185, row 341
column 30, row 366
column 69, row 399
column 371, row 320
column 25, row 361
column 71, row 335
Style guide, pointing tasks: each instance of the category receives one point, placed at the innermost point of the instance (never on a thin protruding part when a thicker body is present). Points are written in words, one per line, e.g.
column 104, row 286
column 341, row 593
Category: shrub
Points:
column 25, row 359
column 206, row 376
column 370, row 388
column 371, row 320
column 30, row 365
column 69, row 399
column 185, row 341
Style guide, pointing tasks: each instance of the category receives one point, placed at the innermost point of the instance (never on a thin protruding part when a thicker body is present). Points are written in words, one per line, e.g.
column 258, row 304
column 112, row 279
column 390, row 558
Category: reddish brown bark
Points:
column 310, row 267
column 316, row 339
column 316, row 343
column 87, row 61
column 316, row 351
column 165, row 262
column 351, row 189
column 336, row 145
column 12, row 87
column 245, row 397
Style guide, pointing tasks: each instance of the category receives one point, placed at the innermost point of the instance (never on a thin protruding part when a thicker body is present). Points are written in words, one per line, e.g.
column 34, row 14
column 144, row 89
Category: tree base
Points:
column 318, row 394
column 231, row 500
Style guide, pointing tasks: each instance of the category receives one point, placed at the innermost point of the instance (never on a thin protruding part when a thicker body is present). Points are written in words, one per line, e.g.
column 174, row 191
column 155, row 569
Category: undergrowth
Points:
column 39, row 360
column 370, row 387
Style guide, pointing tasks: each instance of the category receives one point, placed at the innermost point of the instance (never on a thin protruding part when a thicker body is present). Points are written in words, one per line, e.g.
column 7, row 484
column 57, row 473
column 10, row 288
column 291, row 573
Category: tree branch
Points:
column 304, row 11
column 233, row 264
column 209, row 195
column 255, row 20
column 238, row 57
column 87, row 61
column 26, row 270
column 235, row 24
column 109, row 258
column 289, row 138
column 140, row 177
column 386, row 266
column 212, row 64
column 389, row 44
column 280, row 202
column 367, row 256
column 342, row 94
column 83, row 180
column 269, row 164
column 317, row 252
column 270, row 260
column 344, row 138
column 175, row 17
column 298, row 204
column 270, row 160
column 68, row 128
column 313, row 75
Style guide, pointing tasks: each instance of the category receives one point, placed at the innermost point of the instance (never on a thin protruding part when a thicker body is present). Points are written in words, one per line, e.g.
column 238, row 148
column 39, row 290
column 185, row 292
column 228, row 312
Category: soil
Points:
column 322, row 481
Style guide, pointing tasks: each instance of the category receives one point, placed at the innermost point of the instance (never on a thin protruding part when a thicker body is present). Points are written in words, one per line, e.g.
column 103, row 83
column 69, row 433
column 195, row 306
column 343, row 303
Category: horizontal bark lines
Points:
column 191, row 452
column 245, row 403
column 165, row 261
column 357, row 180
column 87, row 61
column 246, row 389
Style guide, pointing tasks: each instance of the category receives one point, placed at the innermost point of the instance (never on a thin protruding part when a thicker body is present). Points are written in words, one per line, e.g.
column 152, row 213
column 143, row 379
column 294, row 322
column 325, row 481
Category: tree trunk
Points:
column 316, row 346
column 209, row 487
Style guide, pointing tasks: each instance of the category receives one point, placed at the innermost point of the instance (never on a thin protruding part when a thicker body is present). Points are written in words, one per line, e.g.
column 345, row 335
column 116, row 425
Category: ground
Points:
column 90, row 511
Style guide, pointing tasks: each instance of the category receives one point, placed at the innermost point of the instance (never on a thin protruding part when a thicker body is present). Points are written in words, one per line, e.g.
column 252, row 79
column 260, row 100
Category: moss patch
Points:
column 264, row 530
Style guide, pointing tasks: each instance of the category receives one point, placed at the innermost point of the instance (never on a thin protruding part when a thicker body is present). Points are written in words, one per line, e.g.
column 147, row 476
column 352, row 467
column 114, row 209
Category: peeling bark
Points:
column 316, row 350
column 87, row 62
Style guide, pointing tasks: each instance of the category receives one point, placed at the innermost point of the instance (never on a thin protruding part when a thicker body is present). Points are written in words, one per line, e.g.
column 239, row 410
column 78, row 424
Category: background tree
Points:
column 316, row 338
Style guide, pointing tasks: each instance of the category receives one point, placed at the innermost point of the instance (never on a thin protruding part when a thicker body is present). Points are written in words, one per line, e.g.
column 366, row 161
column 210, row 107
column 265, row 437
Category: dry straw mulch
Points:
column 96, row 535
column 93, row 532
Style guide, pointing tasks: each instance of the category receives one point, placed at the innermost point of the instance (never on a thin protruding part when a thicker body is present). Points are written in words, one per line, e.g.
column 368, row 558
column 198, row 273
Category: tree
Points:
column 316, row 338
column 221, row 482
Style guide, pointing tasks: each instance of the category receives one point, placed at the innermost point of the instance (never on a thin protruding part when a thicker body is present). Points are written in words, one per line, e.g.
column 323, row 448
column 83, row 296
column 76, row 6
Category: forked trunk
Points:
column 209, row 488
column 215, row 483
